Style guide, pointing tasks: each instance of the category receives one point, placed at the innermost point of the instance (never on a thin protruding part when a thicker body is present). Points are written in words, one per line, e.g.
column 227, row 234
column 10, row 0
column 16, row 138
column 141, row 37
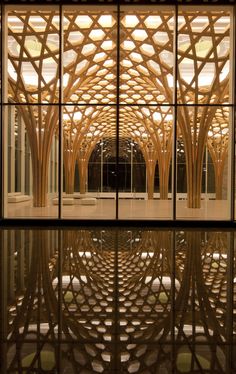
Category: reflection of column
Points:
column 21, row 261
column 11, row 266
column 3, row 298
column 230, row 299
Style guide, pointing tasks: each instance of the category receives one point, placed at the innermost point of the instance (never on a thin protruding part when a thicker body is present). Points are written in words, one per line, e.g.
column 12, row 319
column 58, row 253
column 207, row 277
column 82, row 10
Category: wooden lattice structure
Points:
column 203, row 79
column 146, row 78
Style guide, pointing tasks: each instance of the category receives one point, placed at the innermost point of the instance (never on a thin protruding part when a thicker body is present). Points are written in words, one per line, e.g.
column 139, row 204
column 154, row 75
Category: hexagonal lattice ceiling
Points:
column 90, row 53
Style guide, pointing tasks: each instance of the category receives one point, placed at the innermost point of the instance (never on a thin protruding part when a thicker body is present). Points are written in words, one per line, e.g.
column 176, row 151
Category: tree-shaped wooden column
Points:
column 83, row 156
column 203, row 68
column 84, row 126
column 217, row 143
column 76, row 124
column 159, row 123
column 88, row 73
column 132, row 126
column 152, row 129
column 147, row 78
column 33, row 47
column 150, row 157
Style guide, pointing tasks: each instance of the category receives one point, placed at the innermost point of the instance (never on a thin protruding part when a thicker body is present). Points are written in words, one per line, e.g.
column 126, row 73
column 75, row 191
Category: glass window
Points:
column 140, row 118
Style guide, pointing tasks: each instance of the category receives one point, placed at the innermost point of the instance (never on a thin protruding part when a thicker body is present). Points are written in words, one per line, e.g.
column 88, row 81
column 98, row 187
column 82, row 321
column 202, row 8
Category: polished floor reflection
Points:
column 118, row 301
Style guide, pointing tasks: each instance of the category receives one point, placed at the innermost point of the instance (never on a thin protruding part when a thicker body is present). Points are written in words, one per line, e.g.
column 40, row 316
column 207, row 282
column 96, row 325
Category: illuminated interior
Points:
column 112, row 123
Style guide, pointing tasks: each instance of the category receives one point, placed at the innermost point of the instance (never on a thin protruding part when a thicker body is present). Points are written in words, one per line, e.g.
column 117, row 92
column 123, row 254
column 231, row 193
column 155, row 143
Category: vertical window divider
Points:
column 59, row 295
column 117, row 107
column 172, row 312
column 230, row 300
column 1, row 116
column 233, row 114
column 4, row 115
column 174, row 145
column 60, row 122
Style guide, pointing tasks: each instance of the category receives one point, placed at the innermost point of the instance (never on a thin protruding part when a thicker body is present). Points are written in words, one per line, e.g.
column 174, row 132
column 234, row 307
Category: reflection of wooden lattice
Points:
column 34, row 314
column 100, row 324
column 145, row 289
column 201, row 271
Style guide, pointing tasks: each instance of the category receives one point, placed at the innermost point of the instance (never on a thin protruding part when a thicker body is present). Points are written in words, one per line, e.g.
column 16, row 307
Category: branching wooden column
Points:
column 77, row 121
column 152, row 129
column 33, row 44
column 40, row 140
column 159, row 124
column 203, row 57
column 89, row 45
column 150, row 156
column 83, row 157
column 217, row 142
column 33, row 41
column 146, row 71
column 83, row 128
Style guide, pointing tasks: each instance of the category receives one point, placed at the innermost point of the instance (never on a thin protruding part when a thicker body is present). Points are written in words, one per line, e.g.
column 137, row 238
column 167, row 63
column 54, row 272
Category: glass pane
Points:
column 26, row 357
column 145, row 284
column 89, row 55
column 33, row 55
column 234, row 293
column 202, row 358
column 202, row 301
column 89, row 143
column 31, row 293
column 204, row 56
column 146, row 55
column 87, row 285
column 127, row 299
column 203, row 162
column 145, row 153
column 31, row 161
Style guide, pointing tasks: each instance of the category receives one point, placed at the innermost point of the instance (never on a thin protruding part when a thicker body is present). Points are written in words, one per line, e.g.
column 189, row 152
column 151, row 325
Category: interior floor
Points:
column 128, row 209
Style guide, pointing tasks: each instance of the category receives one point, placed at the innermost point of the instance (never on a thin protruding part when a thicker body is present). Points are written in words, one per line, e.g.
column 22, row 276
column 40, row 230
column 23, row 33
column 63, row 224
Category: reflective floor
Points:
column 118, row 301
